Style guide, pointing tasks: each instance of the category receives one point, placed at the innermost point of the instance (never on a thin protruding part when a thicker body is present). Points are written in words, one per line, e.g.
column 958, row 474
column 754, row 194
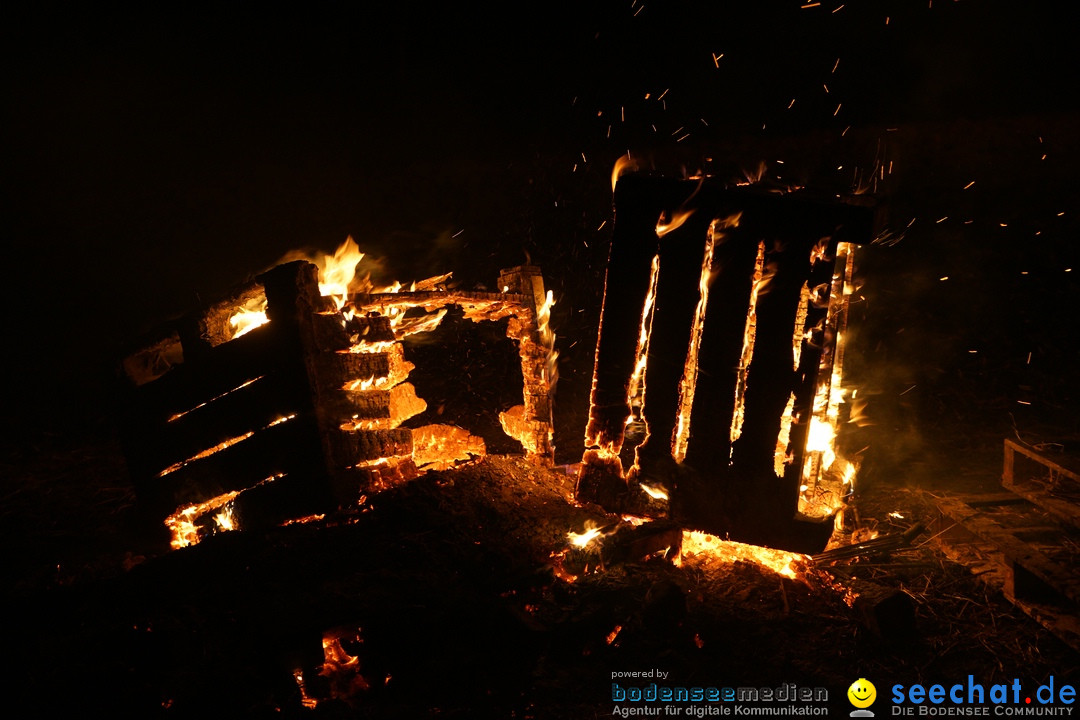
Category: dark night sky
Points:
column 155, row 158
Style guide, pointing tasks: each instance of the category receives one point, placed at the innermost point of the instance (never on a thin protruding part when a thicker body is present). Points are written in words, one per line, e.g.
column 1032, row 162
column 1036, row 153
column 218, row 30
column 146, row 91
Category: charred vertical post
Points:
column 629, row 286
column 531, row 423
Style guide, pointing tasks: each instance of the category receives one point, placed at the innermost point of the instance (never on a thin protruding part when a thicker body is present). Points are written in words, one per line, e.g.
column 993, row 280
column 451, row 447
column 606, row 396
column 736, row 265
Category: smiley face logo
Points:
column 862, row 693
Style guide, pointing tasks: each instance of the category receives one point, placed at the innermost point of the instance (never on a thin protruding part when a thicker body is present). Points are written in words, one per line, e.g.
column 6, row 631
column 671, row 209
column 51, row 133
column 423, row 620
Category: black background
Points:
column 155, row 157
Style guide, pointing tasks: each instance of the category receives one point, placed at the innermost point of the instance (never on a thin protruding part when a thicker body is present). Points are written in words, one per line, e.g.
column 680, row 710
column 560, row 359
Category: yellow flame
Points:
column 654, row 492
column 225, row 520
column 336, row 272
column 245, row 321
column 365, row 383
column 550, row 373
column 820, row 436
column 583, row 540
column 247, row 317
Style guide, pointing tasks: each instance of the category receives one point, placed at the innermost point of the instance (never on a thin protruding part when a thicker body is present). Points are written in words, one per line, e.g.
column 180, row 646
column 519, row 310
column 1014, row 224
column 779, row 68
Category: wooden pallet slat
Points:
column 1007, row 532
column 1017, row 456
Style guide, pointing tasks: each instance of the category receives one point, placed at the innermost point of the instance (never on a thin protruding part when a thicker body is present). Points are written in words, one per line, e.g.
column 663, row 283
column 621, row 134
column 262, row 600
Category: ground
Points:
column 444, row 590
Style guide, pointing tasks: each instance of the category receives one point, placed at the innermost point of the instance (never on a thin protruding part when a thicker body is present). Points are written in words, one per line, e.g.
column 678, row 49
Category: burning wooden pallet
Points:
column 280, row 401
column 734, row 434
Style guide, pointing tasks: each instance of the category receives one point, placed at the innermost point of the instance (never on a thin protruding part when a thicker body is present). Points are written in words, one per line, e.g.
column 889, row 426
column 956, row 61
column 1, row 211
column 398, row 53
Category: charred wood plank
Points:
column 352, row 484
column 721, row 350
column 282, row 448
column 156, row 357
column 639, row 203
column 678, row 291
column 886, row 612
column 373, row 329
column 249, row 408
column 364, row 446
column 434, row 299
column 260, row 352
column 296, row 494
column 1050, row 490
column 376, row 409
column 337, row 370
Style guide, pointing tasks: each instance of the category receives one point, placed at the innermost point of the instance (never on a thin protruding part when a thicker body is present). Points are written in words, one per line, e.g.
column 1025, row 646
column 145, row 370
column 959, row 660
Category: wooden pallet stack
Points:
column 303, row 413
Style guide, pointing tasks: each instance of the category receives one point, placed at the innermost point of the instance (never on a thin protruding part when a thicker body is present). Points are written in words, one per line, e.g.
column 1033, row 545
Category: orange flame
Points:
column 666, row 225
column 623, row 166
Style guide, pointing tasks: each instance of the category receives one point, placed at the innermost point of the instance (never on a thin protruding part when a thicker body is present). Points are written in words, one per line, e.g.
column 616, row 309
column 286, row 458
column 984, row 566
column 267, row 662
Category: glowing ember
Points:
column 385, row 409
column 785, row 563
column 184, row 524
column 305, row 699
column 305, row 519
column 441, row 447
